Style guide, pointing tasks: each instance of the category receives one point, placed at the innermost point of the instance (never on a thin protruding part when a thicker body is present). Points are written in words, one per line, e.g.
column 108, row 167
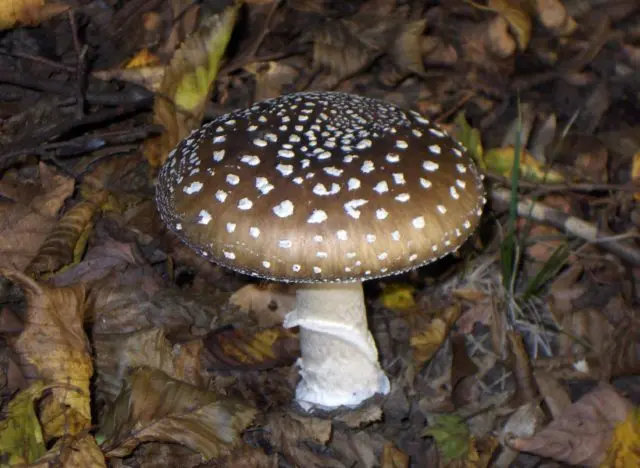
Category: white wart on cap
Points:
column 321, row 187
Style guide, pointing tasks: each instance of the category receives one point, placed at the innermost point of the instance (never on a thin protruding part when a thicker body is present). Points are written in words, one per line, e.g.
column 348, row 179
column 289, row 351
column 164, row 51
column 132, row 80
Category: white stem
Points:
column 339, row 360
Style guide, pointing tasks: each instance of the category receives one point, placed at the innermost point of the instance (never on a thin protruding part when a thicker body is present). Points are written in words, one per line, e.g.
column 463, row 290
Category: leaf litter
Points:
column 122, row 346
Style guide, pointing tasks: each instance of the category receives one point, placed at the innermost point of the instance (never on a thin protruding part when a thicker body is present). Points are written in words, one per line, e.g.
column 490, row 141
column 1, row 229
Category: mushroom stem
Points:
column 339, row 360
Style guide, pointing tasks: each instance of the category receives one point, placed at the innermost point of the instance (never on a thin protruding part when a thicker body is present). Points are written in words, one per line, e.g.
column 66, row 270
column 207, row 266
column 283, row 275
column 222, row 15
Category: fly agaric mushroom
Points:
column 328, row 190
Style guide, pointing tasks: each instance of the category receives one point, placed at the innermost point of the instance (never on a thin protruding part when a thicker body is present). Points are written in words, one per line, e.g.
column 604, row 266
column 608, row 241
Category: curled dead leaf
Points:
column 155, row 407
column 582, row 434
column 53, row 346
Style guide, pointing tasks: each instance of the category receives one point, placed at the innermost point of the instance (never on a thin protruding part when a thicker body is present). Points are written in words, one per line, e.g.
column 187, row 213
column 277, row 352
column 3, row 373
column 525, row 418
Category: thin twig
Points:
column 570, row 224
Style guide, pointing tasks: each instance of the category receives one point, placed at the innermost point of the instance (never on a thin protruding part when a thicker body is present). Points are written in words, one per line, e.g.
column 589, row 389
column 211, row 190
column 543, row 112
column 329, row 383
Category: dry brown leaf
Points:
column 54, row 345
column 66, row 242
column 73, row 452
column 28, row 12
column 515, row 13
column 406, row 51
column 553, row 16
column 555, row 395
column 289, row 432
column 117, row 355
column 499, row 41
column 155, row 407
column 345, row 47
column 187, row 83
column 582, row 434
column 137, row 299
column 523, row 422
column 393, row 457
column 425, row 342
column 266, row 304
column 99, row 262
column 26, row 221
column 272, row 78
column 263, row 349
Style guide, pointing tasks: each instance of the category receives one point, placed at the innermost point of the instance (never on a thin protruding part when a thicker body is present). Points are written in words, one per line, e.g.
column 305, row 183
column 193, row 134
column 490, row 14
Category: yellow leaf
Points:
column 187, row 83
column 470, row 139
column 514, row 13
column 501, row 160
column 625, row 447
column 398, row 297
column 143, row 58
column 425, row 343
column 27, row 12
column 21, row 439
column 54, row 344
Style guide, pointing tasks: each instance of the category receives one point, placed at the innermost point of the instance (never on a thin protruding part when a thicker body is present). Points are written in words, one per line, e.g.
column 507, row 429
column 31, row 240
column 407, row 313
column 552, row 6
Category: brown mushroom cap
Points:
column 320, row 187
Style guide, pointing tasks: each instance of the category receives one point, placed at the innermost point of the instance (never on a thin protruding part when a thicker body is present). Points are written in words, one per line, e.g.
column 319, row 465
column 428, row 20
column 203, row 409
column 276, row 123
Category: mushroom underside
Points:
column 339, row 360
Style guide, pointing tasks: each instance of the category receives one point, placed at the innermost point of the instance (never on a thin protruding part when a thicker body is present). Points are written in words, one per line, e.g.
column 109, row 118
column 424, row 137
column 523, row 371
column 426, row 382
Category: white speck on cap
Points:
column 317, row 217
column 283, row 209
column 194, row 187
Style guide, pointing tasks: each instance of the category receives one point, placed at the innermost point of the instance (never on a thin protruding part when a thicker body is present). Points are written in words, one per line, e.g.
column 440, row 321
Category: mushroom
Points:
column 328, row 190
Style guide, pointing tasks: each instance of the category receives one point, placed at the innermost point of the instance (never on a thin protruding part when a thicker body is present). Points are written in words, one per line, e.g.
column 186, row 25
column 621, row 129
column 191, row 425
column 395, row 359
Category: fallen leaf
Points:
column 500, row 160
column 118, row 354
column 583, row 433
column 393, row 457
column 470, row 138
column 291, row 433
column 398, row 296
column 21, row 439
column 67, row 241
column 625, row 448
column 266, row 304
column 54, row 347
column 28, row 12
column 30, row 214
column 154, row 407
column 272, row 78
column 79, row 451
column 187, row 83
column 453, row 438
column 263, row 349
column 425, row 342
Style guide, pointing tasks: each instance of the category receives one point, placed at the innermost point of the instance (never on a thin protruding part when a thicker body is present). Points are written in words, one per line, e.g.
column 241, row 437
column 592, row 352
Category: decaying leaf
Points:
column 272, row 78
column 54, row 346
column 289, row 432
column 398, row 296
column 187, row 83
column 155, row 407
column 470, row 138
column 67, row 242
column 625, row 448
column 393, row 457
column 28, row 12
column 344, row 47
column 583, row 433
column 516, row 15
column 77, row 451
column 453, row 438
column 263, row 349
column 118, row 354
column 266, row 304
column 501, row 160
column 424, row 343
column 21, row 439
column 28, row 214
